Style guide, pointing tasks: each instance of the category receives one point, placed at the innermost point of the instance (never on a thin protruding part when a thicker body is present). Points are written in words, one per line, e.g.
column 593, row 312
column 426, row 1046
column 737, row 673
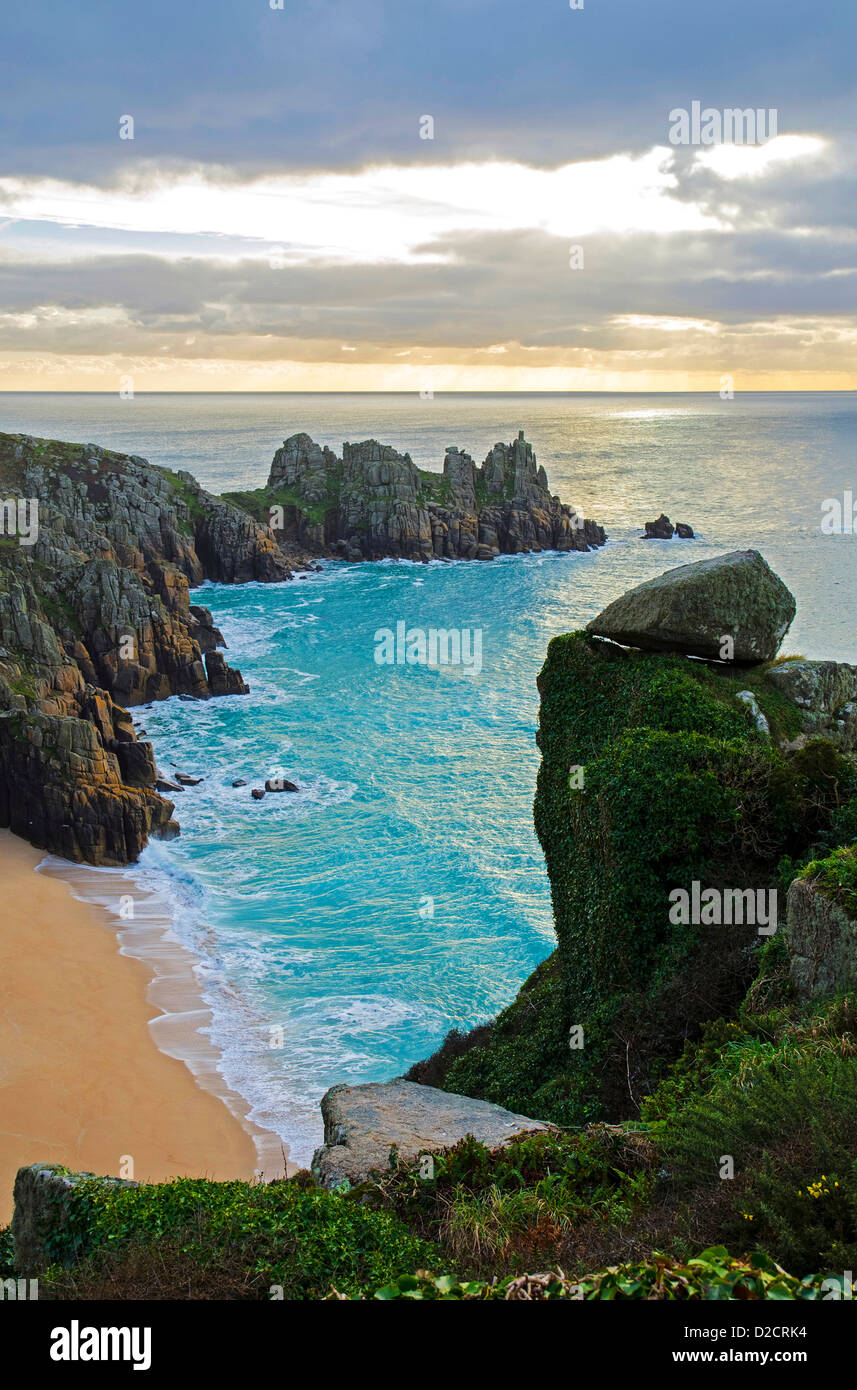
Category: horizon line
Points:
column 593, row 391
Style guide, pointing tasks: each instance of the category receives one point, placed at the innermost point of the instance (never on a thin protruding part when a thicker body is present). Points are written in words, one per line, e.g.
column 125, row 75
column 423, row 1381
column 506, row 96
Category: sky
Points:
column 397, row 195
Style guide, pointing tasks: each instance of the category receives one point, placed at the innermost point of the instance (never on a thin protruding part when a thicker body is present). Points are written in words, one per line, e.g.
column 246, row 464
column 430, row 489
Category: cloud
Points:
column 277, row 204
column 377, row 215
column 327, row 84
column 731, row 161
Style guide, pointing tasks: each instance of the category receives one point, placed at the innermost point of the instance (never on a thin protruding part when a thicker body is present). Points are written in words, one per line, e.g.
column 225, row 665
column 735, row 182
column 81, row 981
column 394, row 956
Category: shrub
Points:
column 788, row 1117
column 305, row 1239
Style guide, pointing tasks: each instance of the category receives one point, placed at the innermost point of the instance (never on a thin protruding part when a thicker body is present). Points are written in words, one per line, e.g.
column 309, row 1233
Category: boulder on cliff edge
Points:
column 692, row 610
column 362, row 1123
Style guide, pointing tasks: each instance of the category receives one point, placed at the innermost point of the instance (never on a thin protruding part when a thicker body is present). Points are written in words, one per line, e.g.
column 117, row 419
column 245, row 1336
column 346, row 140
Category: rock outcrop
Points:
column 822, row 938
column 662, row 529
column 95, row 616
column 732, row 607
column 41, row 1214
column 825, row 692
column 363, row 1123
column 374, row 502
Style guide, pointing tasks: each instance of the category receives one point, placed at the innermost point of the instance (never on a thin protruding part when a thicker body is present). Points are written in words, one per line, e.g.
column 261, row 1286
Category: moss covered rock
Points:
column 731, row 607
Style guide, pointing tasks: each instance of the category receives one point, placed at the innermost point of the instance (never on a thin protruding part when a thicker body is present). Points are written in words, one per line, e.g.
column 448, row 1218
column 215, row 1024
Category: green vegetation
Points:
column 7, row 1256
column 607, row 1212
column 712, row 1275
column 705, row 1141
column 260, row 502
column 678, row 787
column 236, row 1238
column 836, row 876
column 185, row 498
column 434, row 488
column 610, row 1212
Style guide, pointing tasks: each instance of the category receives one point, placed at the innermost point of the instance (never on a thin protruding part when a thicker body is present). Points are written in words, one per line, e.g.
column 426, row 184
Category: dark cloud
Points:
column 339, row 83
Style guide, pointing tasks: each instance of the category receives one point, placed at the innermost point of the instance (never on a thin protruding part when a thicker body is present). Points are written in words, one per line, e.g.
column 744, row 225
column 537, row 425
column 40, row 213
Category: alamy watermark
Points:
column 838, row 517
column 435, row 646
column 730, row 126
column 19, row 1290
column 21, row 519
column 838, row 1286
column 715, row 907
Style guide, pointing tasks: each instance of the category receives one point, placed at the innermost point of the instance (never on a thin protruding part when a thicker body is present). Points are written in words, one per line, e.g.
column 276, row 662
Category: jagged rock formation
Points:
column 374, row 502
column 732, row 607
column 94, row 616
column 662, row 529
column 362, row 1123
column 95, row 613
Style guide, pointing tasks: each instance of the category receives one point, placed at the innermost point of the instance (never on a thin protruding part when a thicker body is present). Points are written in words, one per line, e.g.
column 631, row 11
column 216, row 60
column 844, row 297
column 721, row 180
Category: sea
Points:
column 339, row 932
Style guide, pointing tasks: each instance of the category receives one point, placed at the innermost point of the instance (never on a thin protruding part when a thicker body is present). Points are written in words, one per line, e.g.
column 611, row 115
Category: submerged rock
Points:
column 257, row 793
column 362, row 1123
column 280, row 784
column 732, row 607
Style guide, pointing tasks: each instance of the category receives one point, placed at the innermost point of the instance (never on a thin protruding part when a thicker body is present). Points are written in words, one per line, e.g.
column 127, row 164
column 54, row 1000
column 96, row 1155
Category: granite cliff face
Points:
column 374, row 502
column 95, row 615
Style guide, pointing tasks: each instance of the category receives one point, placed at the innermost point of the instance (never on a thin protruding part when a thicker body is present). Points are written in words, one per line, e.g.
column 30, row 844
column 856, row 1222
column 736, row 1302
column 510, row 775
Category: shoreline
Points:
column 102, row 1060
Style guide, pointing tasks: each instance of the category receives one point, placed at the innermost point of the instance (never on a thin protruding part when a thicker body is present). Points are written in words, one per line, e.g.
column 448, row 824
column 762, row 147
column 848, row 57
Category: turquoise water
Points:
column 402, row 890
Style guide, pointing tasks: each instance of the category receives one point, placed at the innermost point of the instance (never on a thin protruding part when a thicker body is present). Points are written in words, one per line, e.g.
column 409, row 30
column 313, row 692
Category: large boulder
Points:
column 40, row 1223
column 694, row 608
column 822, row 939
column 362, row 1123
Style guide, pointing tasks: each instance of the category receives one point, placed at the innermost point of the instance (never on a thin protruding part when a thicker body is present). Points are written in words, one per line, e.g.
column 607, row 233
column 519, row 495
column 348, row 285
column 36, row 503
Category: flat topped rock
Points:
column 693, row 608
column 361, row 1123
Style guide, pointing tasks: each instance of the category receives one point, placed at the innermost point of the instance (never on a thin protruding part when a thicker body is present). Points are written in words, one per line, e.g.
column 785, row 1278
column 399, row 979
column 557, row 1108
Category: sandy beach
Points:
column 82, row 1081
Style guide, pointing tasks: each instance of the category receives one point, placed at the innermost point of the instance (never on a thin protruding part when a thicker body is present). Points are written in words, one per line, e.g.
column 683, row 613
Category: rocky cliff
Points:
column 374, row 502
column 660, row 772
column 95, row 616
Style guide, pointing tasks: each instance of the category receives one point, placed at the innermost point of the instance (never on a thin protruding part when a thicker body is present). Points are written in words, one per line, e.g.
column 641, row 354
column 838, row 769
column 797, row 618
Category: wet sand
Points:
column 83, row 1081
